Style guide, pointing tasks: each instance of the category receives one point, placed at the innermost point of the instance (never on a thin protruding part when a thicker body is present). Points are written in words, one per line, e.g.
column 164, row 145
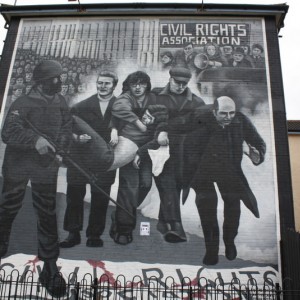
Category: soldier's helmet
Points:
column 47, row 69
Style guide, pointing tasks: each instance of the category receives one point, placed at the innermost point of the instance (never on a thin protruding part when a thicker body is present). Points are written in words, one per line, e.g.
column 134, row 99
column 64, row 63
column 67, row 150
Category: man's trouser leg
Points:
column 169, row 194
column 44, row 203
column 232, row 212
column 207, row 201
column 128, row 194
column 98, row 210
column 73, row 220
column 134, row 185
column 169, row 223
column 13, row 193
column 145, row 179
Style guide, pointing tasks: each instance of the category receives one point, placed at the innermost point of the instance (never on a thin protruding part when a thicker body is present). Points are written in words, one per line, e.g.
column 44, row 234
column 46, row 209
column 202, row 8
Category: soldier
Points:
column 29, row 156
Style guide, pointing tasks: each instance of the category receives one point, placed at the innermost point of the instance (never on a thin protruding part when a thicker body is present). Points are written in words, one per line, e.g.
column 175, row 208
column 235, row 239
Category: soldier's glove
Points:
column 42, row 146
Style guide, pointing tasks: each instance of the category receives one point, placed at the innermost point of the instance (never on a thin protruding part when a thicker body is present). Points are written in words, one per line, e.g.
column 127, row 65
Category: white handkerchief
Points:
column 159, row 158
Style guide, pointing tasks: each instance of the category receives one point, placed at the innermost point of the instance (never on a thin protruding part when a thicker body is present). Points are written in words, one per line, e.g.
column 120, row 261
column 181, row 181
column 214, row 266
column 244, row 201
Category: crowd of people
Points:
column 75, row 79
column 77, row 73
column 205, row 144
column 214, row 56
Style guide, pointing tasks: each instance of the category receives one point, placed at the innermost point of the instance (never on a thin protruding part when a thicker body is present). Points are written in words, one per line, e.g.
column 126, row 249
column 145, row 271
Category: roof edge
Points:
column 277, row 10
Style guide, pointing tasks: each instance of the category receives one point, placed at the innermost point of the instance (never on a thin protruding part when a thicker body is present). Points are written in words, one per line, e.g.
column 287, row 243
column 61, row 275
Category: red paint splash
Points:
column 33, row 262
column 196, row 294
column 110, row 276
column 101, row 265
column 134, row 284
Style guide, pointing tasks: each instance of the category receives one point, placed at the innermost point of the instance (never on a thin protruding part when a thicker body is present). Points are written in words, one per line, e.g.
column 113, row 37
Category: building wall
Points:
column 294, row 145
column 130, row 44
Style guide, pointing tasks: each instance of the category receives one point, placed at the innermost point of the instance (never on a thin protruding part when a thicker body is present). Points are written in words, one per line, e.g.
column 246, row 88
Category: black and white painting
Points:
column 140, row 146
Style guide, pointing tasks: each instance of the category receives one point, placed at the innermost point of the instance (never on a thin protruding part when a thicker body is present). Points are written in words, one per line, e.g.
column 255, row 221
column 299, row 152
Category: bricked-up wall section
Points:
column 169, row 238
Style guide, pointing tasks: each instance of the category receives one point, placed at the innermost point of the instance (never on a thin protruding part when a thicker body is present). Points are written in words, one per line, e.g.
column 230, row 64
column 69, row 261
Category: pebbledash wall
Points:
column 294, row 143
column 127, row 38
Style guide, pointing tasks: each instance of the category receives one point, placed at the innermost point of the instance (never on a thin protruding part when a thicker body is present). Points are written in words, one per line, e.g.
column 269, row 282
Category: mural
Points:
column 139, row 146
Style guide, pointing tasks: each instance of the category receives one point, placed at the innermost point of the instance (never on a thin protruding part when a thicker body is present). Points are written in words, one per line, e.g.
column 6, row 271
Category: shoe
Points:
column 72, row 240
column 175, row 234
column 93, row 241
column 210, row 258
column 123, row 238
column 163, row 227
column 54, row 283
column 230, row 251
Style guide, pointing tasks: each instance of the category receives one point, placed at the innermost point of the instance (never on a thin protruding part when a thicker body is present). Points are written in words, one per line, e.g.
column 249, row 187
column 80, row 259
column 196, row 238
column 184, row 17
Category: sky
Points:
column 289, row 41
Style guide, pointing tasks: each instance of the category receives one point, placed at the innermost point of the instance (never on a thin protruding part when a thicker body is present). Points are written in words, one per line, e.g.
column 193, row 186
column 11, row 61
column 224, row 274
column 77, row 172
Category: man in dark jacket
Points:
column 185, row 57
column 219, row 137
column 96, row 112
column 221, row 163
column 239, row 59
column 257, row 57
column 29, row 156
column 180, row 101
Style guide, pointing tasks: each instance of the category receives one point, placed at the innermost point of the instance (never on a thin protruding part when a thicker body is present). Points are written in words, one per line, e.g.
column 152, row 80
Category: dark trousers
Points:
column 169, row 192
column 73, row 220
column 134, row 185
column 44, row 203
column 207, row 201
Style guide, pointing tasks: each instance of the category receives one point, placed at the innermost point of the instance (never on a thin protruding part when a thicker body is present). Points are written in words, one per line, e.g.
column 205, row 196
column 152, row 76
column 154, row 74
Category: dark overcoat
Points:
column 220, row 151
column 179, row 108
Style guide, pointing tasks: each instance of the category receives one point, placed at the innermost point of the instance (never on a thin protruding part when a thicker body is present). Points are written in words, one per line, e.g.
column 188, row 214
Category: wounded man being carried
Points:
column 97, row 156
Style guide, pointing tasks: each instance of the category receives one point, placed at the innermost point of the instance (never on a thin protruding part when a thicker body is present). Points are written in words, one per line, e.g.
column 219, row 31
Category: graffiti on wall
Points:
column 139, row 141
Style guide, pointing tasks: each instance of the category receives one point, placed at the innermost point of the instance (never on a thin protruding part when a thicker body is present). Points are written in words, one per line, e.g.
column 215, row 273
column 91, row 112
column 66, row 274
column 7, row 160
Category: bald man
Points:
column 220, row 163
column 219, row 132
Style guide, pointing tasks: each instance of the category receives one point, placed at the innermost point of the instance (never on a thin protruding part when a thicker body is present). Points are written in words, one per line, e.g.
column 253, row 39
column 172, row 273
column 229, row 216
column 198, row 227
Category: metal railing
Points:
column 23, row 286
